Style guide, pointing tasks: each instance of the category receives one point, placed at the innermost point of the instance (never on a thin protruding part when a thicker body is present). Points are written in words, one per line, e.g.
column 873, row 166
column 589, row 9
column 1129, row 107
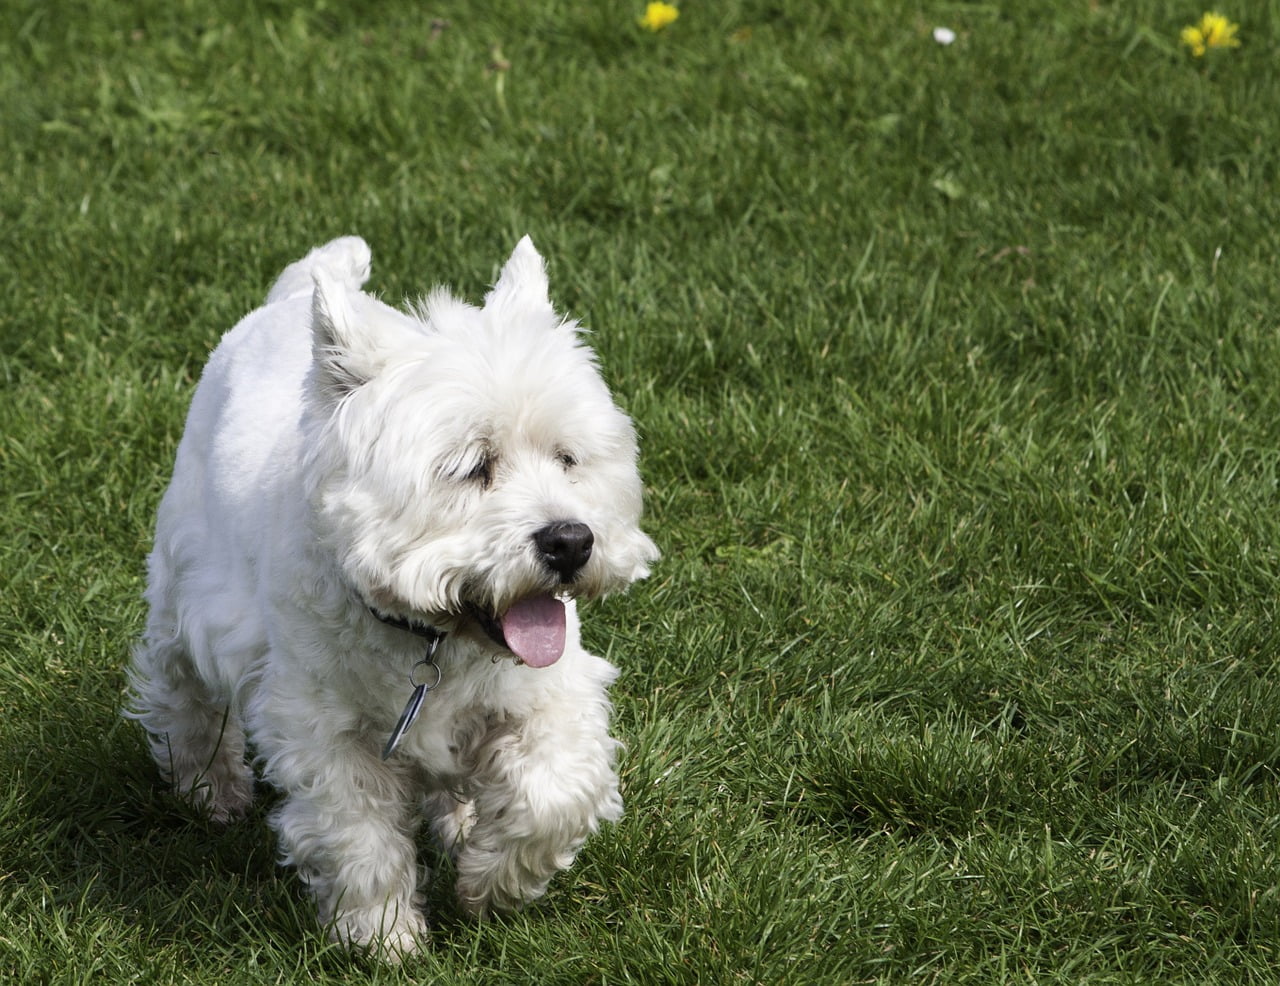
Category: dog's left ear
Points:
column 523, row 281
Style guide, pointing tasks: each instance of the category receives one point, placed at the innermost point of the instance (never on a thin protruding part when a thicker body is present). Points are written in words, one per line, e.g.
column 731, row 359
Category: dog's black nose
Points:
column 565, row 547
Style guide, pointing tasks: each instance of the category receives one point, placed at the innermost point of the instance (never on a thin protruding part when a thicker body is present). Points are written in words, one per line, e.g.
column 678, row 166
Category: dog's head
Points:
column 468, row 463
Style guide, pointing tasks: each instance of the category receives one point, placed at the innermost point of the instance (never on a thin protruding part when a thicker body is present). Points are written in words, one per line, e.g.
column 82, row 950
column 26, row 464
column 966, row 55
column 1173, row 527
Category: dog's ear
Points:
column 335, row 342
column 522, row 283
column 353, row 335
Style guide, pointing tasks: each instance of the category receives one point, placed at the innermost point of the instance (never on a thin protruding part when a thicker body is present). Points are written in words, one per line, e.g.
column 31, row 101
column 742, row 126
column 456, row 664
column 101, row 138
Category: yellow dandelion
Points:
column 1213, row 31
column 658, row 15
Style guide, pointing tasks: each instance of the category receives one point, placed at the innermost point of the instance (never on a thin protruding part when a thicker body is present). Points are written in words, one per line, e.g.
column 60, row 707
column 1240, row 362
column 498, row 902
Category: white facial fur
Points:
column 441, row 441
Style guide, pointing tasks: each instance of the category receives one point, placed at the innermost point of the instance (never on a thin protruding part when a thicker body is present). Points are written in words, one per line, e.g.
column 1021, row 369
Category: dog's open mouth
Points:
column 532, row 629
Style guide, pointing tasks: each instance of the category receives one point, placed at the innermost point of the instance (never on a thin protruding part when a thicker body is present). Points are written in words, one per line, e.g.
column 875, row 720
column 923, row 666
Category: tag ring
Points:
column 426, row 662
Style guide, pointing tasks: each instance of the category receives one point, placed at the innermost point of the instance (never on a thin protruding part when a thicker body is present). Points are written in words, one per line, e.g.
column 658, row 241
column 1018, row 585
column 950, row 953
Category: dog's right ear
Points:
column 352, row 335
column 335, row 342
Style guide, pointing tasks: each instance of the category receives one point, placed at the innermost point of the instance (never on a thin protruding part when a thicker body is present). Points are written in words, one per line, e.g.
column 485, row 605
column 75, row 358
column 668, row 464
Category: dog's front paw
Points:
column 493, row 882
column 481, row 901
column 375, row 931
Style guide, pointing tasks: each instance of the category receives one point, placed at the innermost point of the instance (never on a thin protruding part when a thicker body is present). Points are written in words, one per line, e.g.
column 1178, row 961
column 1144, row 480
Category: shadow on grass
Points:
column 92, row 833
column 91, row 826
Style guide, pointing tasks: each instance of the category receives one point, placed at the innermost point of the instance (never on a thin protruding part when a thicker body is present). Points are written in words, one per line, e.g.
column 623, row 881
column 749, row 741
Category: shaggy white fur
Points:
column 349, row 474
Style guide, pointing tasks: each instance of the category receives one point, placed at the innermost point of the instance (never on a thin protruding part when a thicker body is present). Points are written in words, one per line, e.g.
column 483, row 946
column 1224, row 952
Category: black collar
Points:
column 426, row 631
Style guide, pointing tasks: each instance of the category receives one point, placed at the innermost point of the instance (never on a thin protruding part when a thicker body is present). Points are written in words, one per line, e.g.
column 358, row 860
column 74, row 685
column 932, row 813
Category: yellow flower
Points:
column 1213, row 31
column 658, row 15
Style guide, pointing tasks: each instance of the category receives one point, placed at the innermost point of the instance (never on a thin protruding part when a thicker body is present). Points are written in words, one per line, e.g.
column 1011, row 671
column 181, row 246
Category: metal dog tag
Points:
column 412, row 707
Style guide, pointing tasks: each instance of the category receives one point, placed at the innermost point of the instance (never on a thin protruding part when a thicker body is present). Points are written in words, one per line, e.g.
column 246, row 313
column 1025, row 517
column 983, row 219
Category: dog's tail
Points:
column 345, row 259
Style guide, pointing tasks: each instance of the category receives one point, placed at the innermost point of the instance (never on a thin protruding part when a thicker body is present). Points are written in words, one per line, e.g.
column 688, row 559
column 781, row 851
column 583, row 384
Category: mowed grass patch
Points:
column 954, row 373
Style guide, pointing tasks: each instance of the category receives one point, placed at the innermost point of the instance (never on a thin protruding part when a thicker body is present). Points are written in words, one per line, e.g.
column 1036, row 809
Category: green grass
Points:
column 956, row 373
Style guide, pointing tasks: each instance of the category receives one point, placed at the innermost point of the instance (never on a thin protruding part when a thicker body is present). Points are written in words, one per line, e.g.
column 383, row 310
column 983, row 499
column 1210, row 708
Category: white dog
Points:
column 366, row 563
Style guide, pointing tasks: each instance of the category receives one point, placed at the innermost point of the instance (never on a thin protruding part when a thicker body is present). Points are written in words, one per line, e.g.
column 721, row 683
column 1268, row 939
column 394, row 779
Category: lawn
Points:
column 956, row 372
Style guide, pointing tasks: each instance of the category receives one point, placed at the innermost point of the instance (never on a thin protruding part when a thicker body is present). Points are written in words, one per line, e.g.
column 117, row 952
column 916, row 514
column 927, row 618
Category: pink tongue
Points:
column 534, row 630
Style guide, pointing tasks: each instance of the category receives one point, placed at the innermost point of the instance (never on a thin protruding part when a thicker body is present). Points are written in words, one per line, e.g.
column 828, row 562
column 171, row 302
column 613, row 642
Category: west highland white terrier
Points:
column 365, row 572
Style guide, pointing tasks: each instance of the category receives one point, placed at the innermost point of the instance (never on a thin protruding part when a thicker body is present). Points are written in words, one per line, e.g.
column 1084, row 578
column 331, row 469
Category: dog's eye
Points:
column 483, row 471
column 566, row 460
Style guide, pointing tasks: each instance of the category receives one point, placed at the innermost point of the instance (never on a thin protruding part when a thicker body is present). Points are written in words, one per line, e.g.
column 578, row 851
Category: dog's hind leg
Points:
column 195, row 736
column 196, row 741
column 451, row 819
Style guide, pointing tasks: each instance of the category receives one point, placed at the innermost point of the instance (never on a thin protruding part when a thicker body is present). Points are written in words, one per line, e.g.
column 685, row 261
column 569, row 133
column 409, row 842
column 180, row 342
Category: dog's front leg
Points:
column 539, row 790
column 347, row 825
